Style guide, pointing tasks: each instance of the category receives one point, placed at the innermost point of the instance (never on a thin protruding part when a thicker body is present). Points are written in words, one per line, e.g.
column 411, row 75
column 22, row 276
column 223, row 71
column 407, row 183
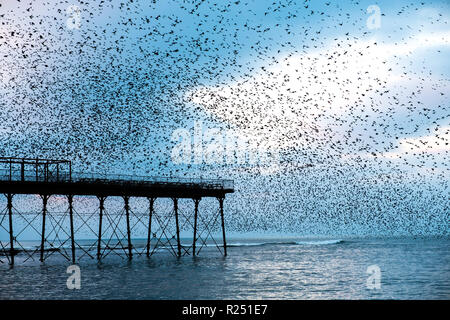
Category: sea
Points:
column 265, row 268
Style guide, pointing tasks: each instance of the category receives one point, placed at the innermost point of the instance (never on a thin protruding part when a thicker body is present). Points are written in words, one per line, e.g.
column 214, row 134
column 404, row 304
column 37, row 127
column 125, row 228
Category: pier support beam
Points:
column 11, row 232
column 72, row 235
column 101, row 208
column 223, row 226
column 127, row 212
column 44, row 212
column 149, row 236
column 175, row 207
column 196, row 203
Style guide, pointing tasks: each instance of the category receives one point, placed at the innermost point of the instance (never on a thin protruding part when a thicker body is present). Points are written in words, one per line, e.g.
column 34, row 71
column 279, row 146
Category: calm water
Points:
column 254, row 269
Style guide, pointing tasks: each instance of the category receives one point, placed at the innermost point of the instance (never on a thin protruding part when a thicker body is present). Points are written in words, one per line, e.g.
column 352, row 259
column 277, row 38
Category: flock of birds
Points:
column 360, row 130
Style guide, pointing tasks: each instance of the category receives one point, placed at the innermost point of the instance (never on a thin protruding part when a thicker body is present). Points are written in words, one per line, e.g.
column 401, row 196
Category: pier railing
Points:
column 83, row 177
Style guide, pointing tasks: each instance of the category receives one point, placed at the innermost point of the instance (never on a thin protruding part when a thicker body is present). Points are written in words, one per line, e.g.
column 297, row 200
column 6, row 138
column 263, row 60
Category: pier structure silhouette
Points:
column 48, row 178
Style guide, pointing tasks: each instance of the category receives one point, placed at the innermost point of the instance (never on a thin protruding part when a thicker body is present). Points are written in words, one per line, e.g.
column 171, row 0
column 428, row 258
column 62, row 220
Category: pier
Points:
column 49, row 178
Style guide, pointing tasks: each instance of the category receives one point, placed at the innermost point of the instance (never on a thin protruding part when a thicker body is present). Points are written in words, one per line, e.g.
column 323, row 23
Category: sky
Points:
column 332, row 117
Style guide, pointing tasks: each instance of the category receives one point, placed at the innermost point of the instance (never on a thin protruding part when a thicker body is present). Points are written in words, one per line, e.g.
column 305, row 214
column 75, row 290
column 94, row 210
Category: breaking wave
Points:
column 287, row 243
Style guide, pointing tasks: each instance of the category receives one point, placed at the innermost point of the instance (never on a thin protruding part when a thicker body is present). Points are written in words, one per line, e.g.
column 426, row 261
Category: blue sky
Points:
column 369, row 108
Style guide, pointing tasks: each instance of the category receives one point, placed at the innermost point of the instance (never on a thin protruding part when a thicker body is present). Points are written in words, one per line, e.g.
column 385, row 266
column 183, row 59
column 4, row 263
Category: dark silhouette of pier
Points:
column 49, row 177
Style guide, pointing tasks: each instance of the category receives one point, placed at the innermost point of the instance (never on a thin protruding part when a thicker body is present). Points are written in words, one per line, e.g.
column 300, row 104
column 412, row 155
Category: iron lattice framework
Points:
column 110, row 229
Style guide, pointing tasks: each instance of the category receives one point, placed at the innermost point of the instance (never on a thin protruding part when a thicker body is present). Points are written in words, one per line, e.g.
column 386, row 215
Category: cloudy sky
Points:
column 351, row 97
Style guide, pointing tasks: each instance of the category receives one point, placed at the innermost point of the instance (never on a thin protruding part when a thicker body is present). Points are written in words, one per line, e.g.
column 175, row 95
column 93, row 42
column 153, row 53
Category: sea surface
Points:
column 294, row 268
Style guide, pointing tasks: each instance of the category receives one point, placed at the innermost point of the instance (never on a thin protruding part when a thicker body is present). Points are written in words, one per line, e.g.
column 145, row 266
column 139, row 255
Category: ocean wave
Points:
column 287, row 243
column 321, row 242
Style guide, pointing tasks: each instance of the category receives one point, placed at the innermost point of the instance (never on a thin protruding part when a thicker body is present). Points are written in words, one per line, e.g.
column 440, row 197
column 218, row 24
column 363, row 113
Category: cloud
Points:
column 438, row 142
column 423, row 152
column 298, row 101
